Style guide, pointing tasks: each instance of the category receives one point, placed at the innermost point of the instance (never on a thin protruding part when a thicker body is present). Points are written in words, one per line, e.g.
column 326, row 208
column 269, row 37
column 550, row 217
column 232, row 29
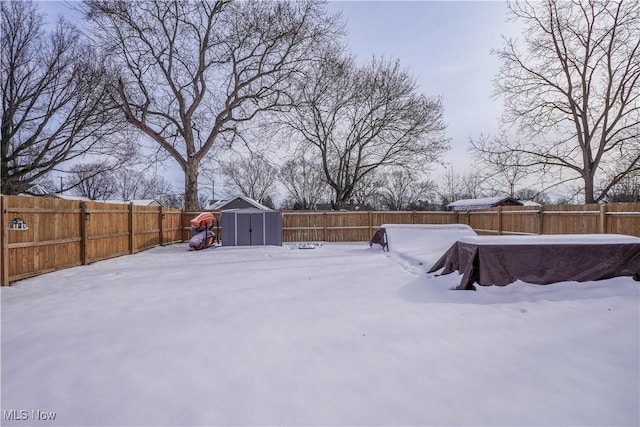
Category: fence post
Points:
column 4, row 234
column 182, row 216
column 324, row 226
column 541, row 220
column 499, row 220
column 161, row 225
column 131, row 229
column 84, row 217
column 603, row 218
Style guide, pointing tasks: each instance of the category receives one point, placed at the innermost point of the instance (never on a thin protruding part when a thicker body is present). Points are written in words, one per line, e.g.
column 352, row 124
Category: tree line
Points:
column 266, row 92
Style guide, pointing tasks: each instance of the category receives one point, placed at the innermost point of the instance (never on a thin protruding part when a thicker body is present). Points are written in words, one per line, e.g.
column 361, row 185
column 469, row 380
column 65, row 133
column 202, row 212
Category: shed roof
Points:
column 248, row 210
column 221, row 205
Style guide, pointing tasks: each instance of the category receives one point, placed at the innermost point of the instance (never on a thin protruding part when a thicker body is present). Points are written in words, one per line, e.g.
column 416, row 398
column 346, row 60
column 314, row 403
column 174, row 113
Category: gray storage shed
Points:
column 251, row 227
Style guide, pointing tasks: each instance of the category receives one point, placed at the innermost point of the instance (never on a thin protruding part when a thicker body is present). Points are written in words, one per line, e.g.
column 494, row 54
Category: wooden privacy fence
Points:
column 65, row 233
column 329, row 226
column 614, row 218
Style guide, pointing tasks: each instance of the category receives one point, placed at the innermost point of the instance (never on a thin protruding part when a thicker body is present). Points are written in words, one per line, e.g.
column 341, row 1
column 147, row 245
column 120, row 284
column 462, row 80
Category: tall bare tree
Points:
column 93, row 181
column 456, row 186
column 574, row 91
column 626, row 190
column 139, row 184
column 191, row 72
column 502, row 169
column 403, row 189
column 252, row 175
column 54, row 100
column 360, row 118
column 367, row 191
column 304, row 182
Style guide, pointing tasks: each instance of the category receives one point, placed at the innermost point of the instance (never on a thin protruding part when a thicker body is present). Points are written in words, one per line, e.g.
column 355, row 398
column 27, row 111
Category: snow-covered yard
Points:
column 339, row 335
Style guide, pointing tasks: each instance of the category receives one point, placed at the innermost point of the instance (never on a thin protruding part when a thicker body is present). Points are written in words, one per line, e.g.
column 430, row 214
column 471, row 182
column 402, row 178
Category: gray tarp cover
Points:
column 491, row 260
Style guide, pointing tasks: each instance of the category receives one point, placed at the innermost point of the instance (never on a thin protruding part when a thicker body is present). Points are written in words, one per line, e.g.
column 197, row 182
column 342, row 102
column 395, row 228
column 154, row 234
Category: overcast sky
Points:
column 445, row 45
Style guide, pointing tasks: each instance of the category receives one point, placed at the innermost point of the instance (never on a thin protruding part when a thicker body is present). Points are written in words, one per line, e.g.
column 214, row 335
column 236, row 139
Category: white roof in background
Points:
column 220, row 204
column 35, row 190
column 467, row 204
column 69, row 197
column 529, row 203
column 247, row 210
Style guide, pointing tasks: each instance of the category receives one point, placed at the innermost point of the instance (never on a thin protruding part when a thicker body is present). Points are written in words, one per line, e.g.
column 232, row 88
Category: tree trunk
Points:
column 588, row 187
column 191, row 202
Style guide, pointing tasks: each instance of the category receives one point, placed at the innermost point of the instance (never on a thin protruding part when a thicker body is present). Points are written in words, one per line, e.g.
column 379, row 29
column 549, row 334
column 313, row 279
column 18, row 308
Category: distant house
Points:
column 483, row 203
column 236, row 202
column 70, row 197
column 35, row 190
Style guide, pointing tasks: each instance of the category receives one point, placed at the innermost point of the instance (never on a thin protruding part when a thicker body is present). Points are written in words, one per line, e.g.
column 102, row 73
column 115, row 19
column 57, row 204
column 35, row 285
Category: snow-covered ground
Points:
column 339, row 335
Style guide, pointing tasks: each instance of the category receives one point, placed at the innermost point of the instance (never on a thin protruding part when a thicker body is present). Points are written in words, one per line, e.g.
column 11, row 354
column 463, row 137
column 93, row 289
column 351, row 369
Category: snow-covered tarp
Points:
column 501, row 260
column 341, row 335
column 422, row 245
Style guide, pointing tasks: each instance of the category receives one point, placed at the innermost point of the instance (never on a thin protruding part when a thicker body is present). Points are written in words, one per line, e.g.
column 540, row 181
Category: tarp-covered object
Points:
column 202, row 240
column 379, row 238
column 500, row 260
column 437, row 237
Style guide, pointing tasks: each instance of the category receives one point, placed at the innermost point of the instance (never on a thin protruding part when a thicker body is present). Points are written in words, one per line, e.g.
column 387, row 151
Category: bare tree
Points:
column 534, row 195
column 367, row 190
column 304, row 182
column 403, row 189
column 172, row 200
column 626, row 189
column 361, row 118
column 502, row 170
column 574, row 92
column 252, row 175
column 456, row 186
column 191, row 72
column 134, row 184
column 93, row 181
column 54, row 100
column 130, row 184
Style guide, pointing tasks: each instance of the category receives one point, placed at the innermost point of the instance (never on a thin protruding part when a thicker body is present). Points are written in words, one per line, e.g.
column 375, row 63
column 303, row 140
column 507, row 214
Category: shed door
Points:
column 243, row 227
column 257, row 229
column 250, row 229
column 273, row 228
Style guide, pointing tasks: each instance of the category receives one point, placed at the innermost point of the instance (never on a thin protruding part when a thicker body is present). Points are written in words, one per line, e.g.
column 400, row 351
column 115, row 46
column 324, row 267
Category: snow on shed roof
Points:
column 222, row 204
column 482, row 203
